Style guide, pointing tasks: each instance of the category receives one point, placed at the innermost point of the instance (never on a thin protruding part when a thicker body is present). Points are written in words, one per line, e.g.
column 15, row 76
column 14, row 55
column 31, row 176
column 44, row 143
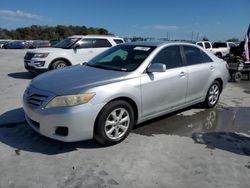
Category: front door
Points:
column 163, row 91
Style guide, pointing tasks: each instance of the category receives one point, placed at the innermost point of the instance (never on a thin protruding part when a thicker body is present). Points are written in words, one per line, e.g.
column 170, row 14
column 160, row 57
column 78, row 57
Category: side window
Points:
column 193, row 55
column 118, row 41
column 101, row 43
column 206, row 58
column 231, row 45
column 207, row 45
column 86, row 43
column 200, row 44
column 170, row 56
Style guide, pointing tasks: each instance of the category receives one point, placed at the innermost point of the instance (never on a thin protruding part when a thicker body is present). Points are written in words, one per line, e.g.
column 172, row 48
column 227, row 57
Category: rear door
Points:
column 163, row 91
column 199, row 67
column 89, row 48
column 100, row 45
column 84, row 52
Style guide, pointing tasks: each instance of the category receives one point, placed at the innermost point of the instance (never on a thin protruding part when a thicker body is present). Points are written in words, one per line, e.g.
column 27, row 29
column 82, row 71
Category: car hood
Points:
column 46, row 50
column 76, row 79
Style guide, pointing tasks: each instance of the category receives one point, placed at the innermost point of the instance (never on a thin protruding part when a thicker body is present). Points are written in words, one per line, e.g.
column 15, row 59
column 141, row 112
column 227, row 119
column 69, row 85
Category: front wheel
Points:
column 213, row 95
column 59, row 64
column 114, row 123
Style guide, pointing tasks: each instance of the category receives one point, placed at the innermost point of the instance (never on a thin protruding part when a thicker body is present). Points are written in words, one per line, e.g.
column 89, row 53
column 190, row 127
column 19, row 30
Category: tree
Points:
column 233, row 39
column 205, row 39
column 36, row 32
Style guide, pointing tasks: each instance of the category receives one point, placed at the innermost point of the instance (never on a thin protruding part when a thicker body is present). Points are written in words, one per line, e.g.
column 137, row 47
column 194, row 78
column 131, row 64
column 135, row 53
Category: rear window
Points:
column 195, row 56
column 200, row 44
column 118, row 41
column 219, row 45
column 207, row 45
column 101, row 43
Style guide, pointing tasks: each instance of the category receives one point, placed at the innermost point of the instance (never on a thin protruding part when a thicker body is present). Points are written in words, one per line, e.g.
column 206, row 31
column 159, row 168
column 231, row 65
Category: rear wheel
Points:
column 219, row 55
column 59, row 64
column 213, row 95
column 114, row 122
column 237, row 76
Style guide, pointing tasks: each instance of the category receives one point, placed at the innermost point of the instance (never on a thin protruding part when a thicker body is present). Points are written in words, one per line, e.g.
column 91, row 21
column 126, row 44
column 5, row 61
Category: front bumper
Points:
column 29, row 66
column 79, row 121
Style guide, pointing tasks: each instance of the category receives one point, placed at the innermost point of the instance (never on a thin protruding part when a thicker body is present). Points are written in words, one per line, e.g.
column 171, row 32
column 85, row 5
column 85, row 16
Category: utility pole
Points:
column 197, row 37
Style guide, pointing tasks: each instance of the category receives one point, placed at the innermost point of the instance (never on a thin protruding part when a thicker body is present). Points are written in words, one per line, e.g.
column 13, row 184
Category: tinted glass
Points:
column 118, row 41
column 170, row 56
column 219, row 45
column 193, row 55
column 207, row 45
column 101, row 43
column 200, row 44
column 121, row 57
column 86, row 43
column 66, row 43
column 206, row 58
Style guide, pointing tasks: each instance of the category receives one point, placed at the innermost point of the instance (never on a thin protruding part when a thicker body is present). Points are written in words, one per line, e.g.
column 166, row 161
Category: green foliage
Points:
column 233, row 40
column 138, row 39
column 205, row 39
column 49, row 32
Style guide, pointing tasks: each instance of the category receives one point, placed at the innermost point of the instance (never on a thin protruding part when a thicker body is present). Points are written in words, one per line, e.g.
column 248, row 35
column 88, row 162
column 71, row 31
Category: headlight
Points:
column 70, row 100
column 41, row 55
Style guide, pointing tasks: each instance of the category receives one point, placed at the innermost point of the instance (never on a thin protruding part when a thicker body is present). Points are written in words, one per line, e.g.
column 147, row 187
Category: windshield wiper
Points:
column 107, row 68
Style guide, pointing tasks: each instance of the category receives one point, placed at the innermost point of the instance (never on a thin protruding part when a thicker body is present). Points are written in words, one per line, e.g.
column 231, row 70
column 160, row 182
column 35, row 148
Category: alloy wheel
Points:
column 117, row 123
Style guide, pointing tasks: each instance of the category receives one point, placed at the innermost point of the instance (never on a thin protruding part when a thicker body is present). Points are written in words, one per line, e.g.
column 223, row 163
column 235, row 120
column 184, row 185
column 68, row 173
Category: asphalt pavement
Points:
column 192, row 148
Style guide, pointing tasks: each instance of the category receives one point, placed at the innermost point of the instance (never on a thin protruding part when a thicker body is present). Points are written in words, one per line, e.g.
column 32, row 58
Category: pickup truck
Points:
column 220, row 49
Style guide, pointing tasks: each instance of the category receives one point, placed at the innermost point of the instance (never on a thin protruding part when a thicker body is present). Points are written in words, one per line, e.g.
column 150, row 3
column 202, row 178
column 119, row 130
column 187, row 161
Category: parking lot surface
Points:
column 191, row 148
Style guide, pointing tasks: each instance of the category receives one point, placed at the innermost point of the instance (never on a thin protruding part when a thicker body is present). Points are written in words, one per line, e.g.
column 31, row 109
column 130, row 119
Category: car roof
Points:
column 156, row 44
column 95, row 36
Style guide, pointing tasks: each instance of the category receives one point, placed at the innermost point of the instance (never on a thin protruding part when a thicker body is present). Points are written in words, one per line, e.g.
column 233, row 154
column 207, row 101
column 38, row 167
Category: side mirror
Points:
column 157, row 67
column 76, row 46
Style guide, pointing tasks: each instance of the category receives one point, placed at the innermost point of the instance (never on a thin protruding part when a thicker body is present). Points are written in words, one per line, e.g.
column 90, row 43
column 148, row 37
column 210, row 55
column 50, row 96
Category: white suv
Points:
column 70, row 51
column 220, row 49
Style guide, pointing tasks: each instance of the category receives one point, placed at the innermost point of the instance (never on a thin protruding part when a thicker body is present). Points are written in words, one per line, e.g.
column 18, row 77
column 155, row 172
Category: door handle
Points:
column 182, row 74
column 211, row 67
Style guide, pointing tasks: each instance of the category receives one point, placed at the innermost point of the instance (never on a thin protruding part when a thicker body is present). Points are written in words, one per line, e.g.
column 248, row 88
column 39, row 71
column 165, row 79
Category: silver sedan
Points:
column 125, row 85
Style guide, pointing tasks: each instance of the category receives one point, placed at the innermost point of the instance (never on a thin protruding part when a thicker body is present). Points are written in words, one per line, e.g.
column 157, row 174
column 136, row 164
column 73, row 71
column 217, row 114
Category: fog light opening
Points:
column 62, row 131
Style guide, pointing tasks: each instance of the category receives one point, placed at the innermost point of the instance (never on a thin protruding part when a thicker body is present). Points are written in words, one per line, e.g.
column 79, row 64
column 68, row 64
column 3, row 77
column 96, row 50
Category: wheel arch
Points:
column 220, row 82
column 123, row 98
column 60, row 58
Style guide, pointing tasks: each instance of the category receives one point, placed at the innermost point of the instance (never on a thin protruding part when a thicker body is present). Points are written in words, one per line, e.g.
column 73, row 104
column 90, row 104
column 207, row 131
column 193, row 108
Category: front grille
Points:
column 28, row 56
column 34, row 98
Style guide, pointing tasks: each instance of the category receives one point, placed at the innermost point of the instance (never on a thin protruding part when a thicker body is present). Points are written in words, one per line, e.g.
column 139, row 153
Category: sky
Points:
column 175, row 19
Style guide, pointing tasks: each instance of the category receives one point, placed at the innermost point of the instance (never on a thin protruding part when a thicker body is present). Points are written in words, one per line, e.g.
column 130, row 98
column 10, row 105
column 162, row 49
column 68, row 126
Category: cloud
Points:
column 162, row 27
column 19, row 14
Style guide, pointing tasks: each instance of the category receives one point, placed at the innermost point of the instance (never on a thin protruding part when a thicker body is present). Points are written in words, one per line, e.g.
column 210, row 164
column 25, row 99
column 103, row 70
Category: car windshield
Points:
column 66, row 43
column 122, row 57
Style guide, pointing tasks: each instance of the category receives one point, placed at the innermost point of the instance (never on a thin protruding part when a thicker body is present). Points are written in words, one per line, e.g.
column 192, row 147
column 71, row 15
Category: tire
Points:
column 237, row 76
column 59, row 64
column 219, row 55
column 213, row 95
column 110, row 128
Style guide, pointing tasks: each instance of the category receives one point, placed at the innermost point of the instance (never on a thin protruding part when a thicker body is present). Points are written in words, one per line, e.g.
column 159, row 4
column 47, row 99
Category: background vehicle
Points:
column 125, row 85
column 220, row 49
column 70, row 51
column 15, row 45
column 41, row 44
column 3, row 42
column 237, row 62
